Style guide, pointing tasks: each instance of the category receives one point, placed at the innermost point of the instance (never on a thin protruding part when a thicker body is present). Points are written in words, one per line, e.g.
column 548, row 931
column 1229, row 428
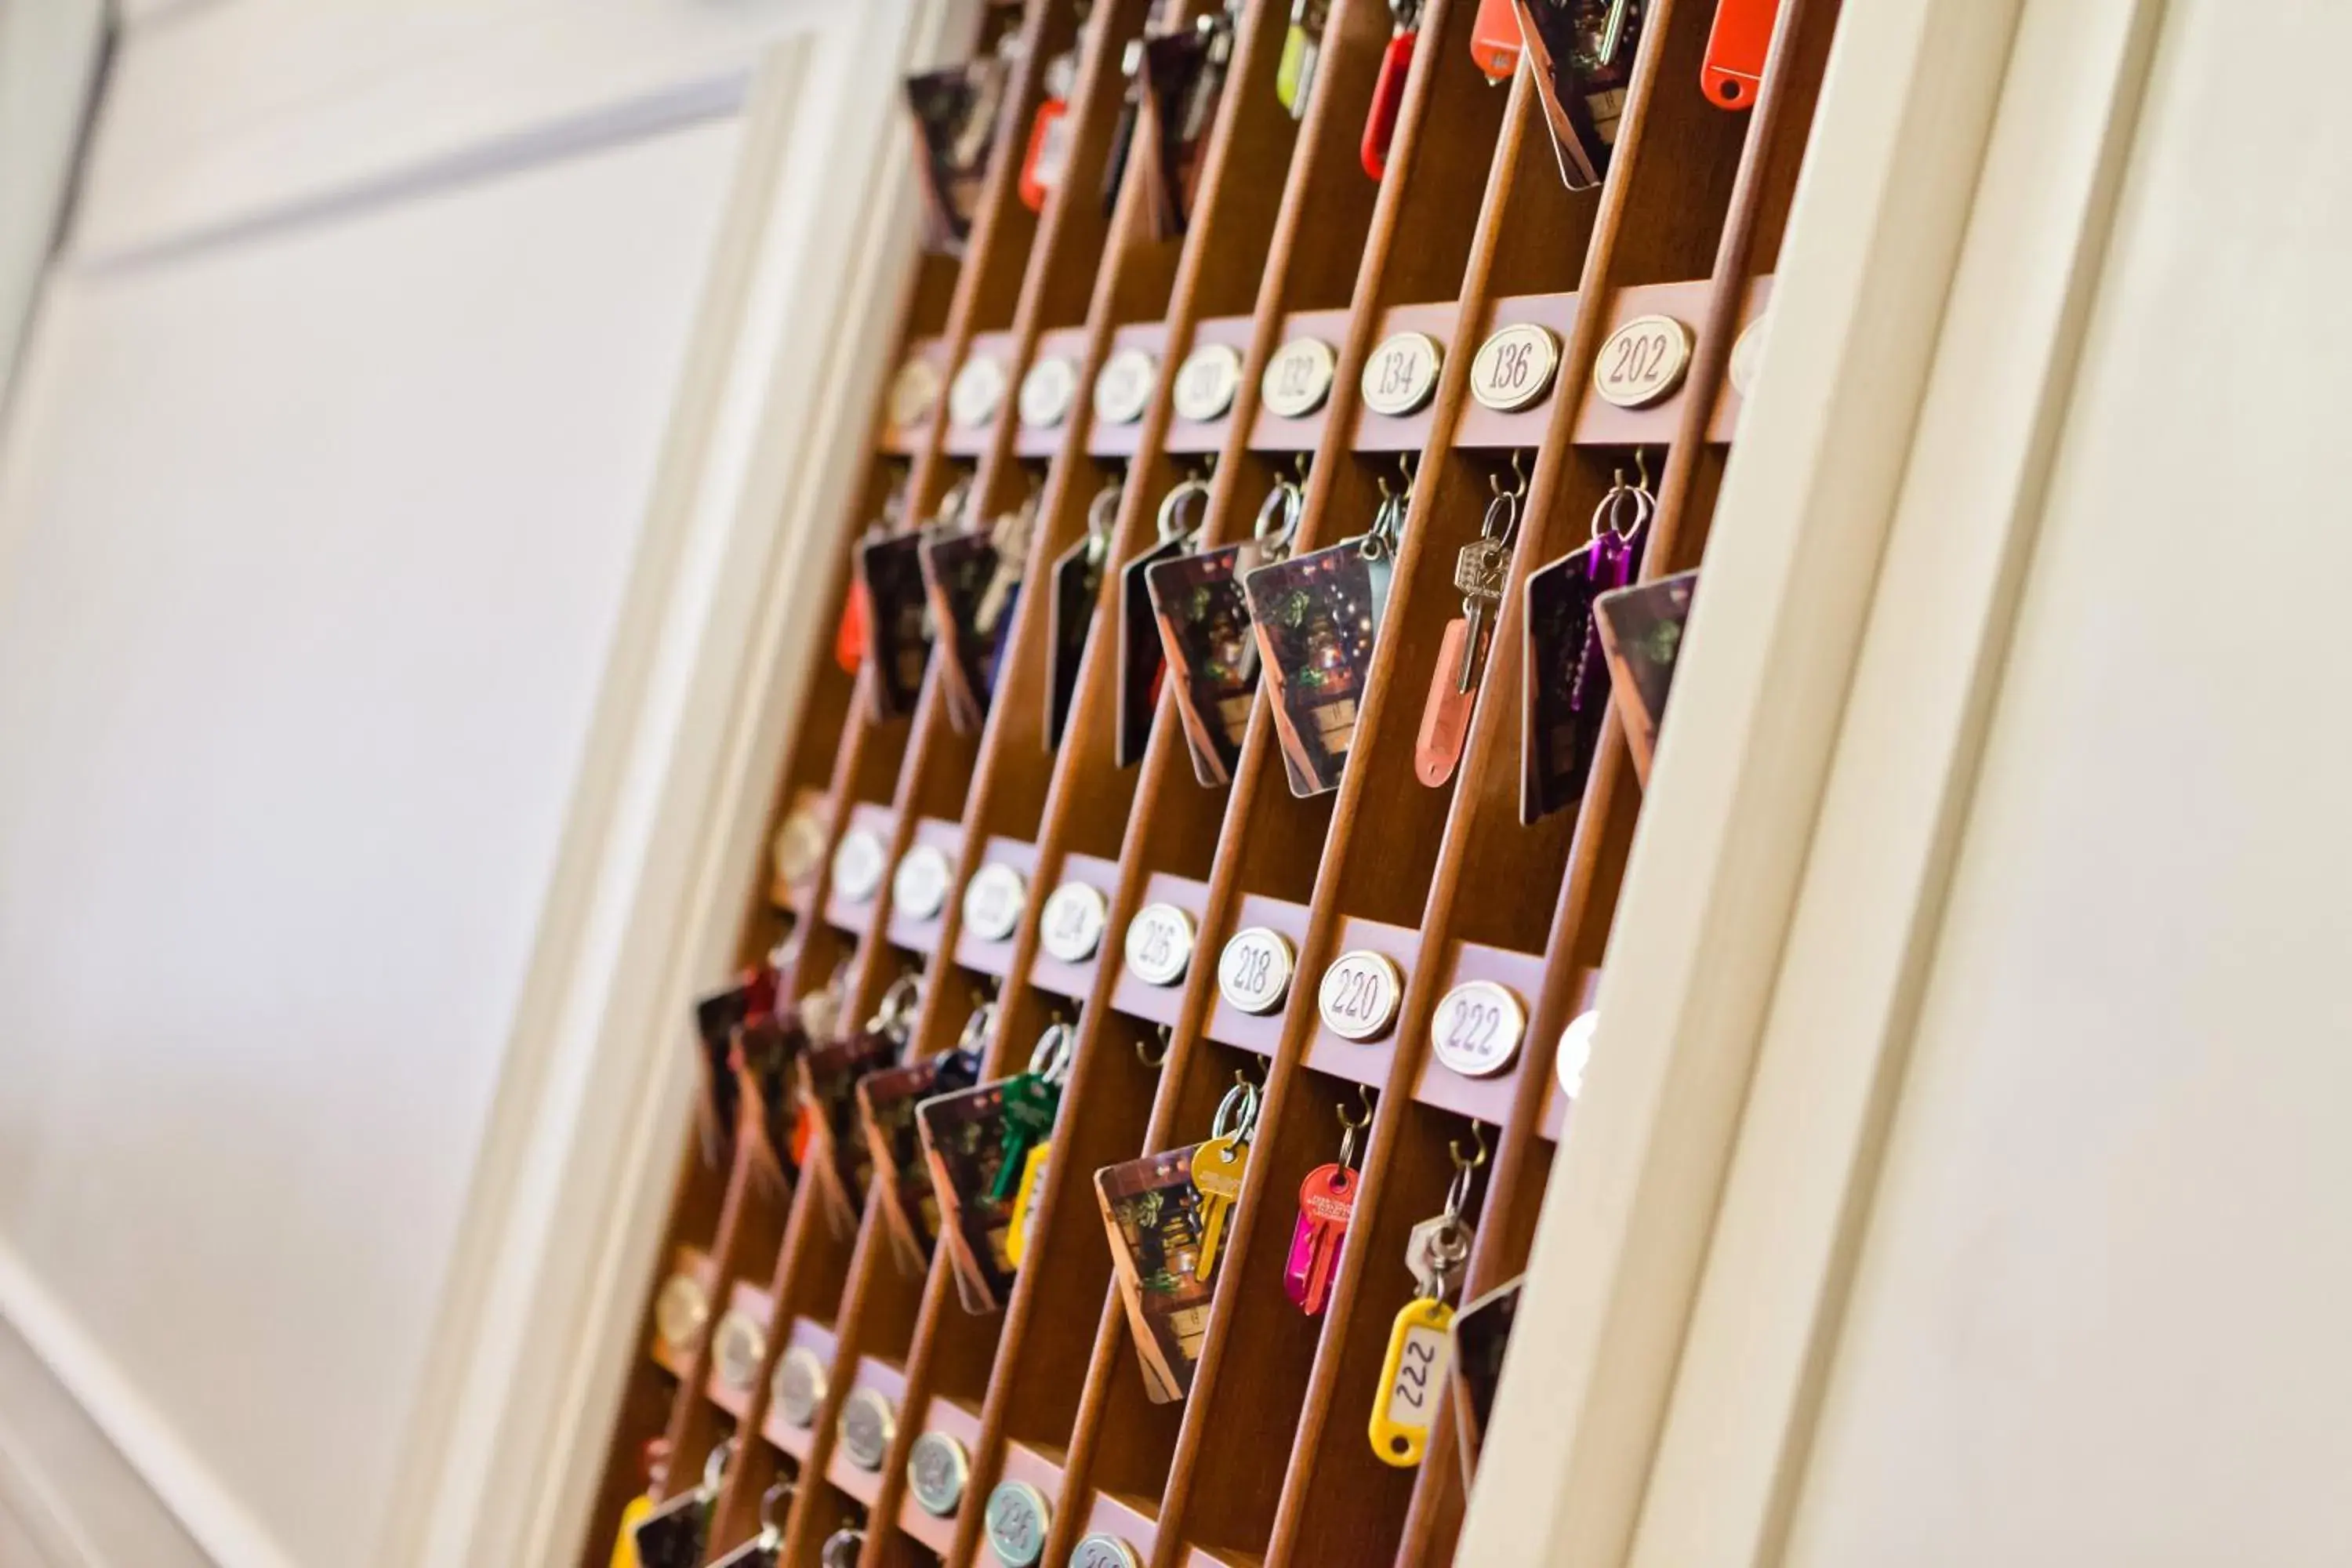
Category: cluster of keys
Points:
column 673, row 1532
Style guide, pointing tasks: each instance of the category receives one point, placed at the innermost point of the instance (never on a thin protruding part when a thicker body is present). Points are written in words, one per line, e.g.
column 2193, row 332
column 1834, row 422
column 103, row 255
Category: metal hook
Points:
column 1457, row 1192
column 1166, row 1036
column 1642, row 470
column 1350, row 1126
column 1518, row 478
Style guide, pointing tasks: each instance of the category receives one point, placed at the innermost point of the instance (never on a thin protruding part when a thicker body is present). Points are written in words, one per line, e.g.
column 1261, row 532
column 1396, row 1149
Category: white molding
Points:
column 212, row 1515
column 1829, row 1067
column 226, row 113
column 601, row 128
column 1873, row 240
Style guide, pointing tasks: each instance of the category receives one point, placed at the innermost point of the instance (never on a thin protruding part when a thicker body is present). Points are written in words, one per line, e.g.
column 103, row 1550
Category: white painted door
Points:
column 402, row 516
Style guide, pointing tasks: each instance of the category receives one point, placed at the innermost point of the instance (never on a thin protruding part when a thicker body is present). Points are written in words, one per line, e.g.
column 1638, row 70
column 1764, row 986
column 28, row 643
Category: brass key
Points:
column 1218, row 1167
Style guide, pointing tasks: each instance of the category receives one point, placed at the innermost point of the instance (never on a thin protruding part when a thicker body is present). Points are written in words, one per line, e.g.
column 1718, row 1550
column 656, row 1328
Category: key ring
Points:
column 714, row 1469
column 1172, row 503
column 1102, row 513
column 1277, row 519
column 771, row 1523
column 897, row 1008
column 955, row 506
column 1457, row 1192
column 1505, row 506
column 1240, row 1103
column 1051, row 1059
column 1605, row 516
column 977, row 1028
column 1350, row 1126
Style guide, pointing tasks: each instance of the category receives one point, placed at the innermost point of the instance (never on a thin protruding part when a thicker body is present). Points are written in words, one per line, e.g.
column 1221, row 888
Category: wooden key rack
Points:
column 819, row 1345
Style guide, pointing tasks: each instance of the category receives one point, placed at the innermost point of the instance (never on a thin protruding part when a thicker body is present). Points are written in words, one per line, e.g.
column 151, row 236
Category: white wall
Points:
column 395, row 525
column 49, row 62
column 2099, row 1317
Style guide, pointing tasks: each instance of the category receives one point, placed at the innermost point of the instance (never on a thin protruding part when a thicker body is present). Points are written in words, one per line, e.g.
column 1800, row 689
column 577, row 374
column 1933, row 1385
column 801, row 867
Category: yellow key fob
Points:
column 1016, row 1230
column 1291, row 67
column 624, row 1547
column 1412, row 1376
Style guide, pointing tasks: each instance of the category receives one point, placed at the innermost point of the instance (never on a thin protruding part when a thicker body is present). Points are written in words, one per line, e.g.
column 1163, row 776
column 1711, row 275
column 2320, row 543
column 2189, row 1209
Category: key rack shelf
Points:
column 785, row 1305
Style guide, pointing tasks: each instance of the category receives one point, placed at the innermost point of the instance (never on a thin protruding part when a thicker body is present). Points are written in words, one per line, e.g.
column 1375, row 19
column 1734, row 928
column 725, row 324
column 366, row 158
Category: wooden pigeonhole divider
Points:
column 1471, row 229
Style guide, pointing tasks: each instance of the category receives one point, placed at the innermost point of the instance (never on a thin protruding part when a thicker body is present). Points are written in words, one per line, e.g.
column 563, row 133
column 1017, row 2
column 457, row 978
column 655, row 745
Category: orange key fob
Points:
column 1733, row 70
column 849, row 636
column 1495, row 39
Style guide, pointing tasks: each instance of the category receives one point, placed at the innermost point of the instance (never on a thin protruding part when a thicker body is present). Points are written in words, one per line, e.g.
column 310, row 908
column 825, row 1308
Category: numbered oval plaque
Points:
column 1576, row 1052
column 1048, row 392
column 976, row 392
column 1477, row 1027
column 1206, row 383
column 1072, row 924
column 1017, row 1519
column 1159, row 944
column 1515, row 367
column 798, row 846
column 868, row 1423
column 1748, row 353
column 1104, row 1550
column 798, row 1387
column 1401, row 375
column 1299, row 377
column 992, row 901
column 1359, row 996
column 937, row 1468
column 681, row 1311
column 1253, row 971
column 741, row 1345
column 919, row 886
column 1643, row 361
column 1123, row 386
column 857, row 865
column 914, row 393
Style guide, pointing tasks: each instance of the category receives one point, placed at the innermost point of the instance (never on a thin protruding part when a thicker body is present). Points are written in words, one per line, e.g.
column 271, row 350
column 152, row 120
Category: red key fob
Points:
column 1735, row 45
column 1494, row 40
column 1048, row 155
column 849, row 638
column 1387, row 100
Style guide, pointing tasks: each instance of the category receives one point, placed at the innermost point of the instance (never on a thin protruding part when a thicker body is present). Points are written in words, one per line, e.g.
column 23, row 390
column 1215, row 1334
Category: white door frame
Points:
column 1787, row 880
